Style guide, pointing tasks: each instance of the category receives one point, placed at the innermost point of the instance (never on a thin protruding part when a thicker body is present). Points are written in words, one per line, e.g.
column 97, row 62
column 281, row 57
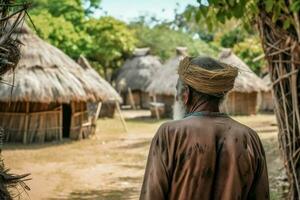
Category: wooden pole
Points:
column 97, row 112
column 94, row 120
column 26, row 124
column 61, row 123
column 131, row 99
column 121, row 116
column 156, row 108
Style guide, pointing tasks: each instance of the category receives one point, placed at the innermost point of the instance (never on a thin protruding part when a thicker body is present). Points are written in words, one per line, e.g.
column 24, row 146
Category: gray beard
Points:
column 179, row 110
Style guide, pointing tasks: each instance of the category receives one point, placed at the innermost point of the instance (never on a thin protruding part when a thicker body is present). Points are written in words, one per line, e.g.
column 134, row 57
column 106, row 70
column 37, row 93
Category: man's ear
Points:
column 185, row 95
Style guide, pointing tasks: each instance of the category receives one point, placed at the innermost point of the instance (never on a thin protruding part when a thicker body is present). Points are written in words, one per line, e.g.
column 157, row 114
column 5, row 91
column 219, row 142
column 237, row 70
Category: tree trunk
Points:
column 282, row 52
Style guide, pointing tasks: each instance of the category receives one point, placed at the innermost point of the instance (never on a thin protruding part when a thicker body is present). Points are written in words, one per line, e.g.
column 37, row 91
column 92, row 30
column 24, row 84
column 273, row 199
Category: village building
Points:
column 134, row 77
column 243, row 98
column 108, row 107
column 50, row 93
column 266, row 98
column 162, row 88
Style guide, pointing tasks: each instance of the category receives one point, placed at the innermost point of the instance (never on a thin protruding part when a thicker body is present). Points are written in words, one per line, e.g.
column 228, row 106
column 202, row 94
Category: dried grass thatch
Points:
column 138, row 71
column 164, row 81
column 243, row 98
column 12, row 15
column 9, row 57
column 108, row 106
column 163, row 84
column 50, row 95
column 45, row 74
column 247, row 80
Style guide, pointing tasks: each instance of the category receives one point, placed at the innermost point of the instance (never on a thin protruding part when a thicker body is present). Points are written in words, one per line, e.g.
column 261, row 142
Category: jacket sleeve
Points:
column 260, row 185
column 156, row 185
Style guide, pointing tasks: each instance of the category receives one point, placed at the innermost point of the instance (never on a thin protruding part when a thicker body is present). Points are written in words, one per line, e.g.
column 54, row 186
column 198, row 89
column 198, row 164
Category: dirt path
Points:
column 110, row 165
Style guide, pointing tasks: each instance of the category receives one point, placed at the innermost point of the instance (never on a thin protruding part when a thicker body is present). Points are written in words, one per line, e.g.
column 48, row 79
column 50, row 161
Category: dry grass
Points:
column 110, row 165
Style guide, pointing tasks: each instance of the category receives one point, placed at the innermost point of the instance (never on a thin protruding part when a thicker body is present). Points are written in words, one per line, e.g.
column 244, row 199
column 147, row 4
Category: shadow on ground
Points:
column 146, row 119
column 125, row 194
column 20, row 146
column 139, row 144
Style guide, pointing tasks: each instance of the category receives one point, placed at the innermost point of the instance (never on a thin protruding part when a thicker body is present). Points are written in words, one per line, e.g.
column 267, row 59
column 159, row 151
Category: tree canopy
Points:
column 69, row 26
column 163, row 40
column 283, row 13
column 112, row 42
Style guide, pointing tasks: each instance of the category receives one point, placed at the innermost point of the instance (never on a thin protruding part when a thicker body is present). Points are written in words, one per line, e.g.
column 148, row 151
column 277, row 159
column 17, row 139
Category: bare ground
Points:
column 110, row 165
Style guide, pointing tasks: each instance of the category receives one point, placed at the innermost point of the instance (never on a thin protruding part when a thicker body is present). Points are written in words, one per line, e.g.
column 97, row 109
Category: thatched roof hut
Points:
column 266, row 97
column 50, row 93
column 135, row 76
column 163, row 84
column 242, row 100
column 108, row 106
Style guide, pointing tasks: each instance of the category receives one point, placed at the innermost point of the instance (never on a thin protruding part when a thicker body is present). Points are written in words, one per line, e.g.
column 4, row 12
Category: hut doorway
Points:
column 67, row 114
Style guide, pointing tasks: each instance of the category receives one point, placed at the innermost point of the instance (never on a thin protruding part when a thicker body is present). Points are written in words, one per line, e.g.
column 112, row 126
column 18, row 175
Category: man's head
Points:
column 204, row 82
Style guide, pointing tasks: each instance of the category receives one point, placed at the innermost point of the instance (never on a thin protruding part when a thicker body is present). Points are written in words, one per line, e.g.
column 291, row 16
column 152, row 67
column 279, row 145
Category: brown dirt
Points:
column 111, row 164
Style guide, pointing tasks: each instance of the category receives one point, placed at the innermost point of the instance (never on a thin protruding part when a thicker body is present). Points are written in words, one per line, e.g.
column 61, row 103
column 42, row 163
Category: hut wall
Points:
column 141, row 99
column 266, row 102
column 80, row 123
column 145, row 100
column 136, row 95
column 168, row 100
column 108, row 109
column 30, row 122
column 239, row 103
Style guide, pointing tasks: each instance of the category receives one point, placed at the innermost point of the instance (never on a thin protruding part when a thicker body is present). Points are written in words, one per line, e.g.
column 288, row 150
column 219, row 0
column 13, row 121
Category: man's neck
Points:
column 203, row 106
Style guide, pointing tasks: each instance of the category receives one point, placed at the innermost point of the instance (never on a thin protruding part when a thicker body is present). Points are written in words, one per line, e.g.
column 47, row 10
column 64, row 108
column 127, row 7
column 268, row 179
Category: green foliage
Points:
column 59, row 32
column 163, row 41
column 66, row 25
column 112, row 41
column 232, row 37
column 62, row 24
column 219, row 11
column 70, row 10
column 248, row 50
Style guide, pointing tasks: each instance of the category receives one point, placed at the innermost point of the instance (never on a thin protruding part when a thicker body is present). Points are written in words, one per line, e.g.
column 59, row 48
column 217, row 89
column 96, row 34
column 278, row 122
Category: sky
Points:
column 128, row 10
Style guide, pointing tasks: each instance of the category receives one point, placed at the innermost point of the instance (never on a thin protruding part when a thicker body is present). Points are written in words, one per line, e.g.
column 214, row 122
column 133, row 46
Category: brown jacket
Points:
column 207, row 157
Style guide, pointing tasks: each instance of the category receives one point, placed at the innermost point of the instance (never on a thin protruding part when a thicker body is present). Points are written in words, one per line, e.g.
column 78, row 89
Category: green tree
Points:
column 279, row 26
column 112, row 42
column 60, row 33
column 163, row 41
column 232, row 37
column 249, row 50
column 62, row 23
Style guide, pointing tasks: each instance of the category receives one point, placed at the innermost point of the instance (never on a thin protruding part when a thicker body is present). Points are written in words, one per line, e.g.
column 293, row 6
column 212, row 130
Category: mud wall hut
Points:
column 266, row 103
column 242, row 100
column 162, row 88
column 50, row 94
column 135, row 76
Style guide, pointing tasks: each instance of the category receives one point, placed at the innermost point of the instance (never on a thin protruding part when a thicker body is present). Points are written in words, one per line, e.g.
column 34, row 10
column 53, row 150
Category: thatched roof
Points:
column 138, row 71
column 267, row 80
column 164, row 81
column 247, row 80
column 46, row 74
column 112, row 94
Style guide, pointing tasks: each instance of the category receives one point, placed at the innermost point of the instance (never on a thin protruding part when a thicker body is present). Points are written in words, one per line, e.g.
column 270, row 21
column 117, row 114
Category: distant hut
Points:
column 163, row 84
column 50, row 94
column 266, row 98
column 108, row 107
column 242, row 99
column 135, row 76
